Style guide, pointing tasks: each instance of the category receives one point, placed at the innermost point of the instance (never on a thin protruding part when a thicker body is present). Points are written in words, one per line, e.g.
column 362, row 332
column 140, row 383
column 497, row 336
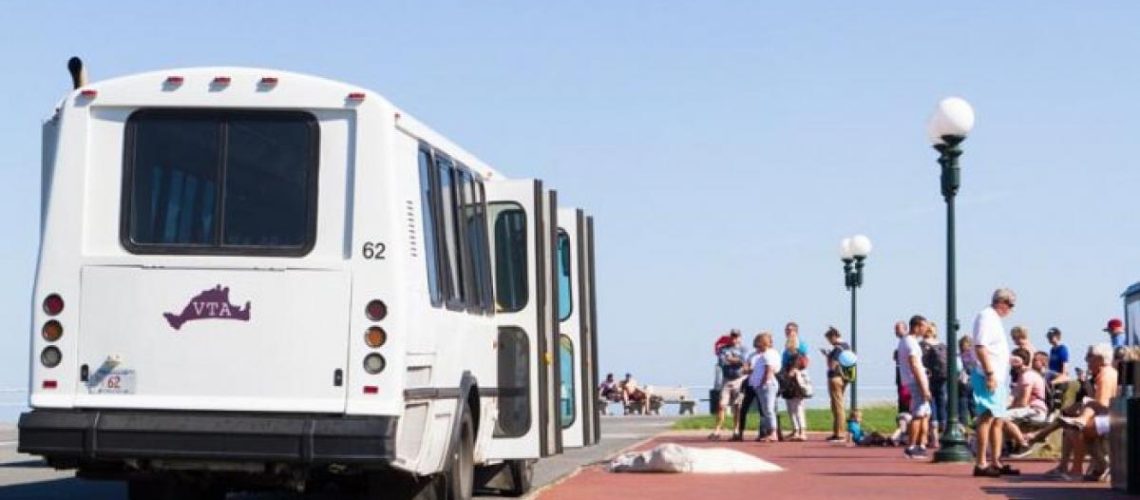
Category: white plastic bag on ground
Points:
column 671, row 457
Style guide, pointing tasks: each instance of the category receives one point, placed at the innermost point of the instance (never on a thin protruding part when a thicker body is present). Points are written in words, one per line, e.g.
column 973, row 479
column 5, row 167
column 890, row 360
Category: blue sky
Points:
column 724, row 147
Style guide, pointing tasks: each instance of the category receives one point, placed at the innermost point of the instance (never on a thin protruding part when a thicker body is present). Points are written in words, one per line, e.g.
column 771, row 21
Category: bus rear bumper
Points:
column 64, row 436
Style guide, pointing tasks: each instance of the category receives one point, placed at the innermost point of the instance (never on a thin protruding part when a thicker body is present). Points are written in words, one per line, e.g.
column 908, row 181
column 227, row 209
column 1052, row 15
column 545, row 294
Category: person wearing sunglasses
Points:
column 990, row 383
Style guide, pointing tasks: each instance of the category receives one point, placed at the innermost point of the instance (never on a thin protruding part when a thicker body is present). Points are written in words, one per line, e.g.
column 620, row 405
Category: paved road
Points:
column 24, row 477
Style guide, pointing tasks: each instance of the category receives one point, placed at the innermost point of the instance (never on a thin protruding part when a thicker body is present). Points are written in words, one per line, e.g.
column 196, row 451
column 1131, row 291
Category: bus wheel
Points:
column 522, row 472
column 461, row 470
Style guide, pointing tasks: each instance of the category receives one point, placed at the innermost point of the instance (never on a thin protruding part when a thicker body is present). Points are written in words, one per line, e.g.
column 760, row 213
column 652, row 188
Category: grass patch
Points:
column 875, row 418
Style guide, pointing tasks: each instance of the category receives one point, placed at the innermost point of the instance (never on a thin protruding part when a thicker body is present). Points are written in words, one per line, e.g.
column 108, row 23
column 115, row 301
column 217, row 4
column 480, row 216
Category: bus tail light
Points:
column 175, row 80
column 51, row 356
column 53, row 304
column 88, row 93
column 222, row 81
column 376, row 310
column 52, row 331
column 50, row 384
column 375, row 337
column 374, row 363
column 355, row 96
column 371, row 389
column 268, row 81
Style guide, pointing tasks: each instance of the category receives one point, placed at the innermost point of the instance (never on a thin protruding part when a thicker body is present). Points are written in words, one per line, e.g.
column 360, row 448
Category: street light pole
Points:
column 952, row 121
column 853, row 251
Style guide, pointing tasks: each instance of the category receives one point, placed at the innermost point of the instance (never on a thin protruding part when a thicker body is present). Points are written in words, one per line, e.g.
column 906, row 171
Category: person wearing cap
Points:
column 836, row 384
column 731, row 362
column 1058, row 356
column 990, row 382
column 1115, row 328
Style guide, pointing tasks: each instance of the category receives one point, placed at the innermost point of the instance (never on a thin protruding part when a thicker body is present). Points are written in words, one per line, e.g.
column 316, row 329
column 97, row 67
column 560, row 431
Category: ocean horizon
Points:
column 13, row 401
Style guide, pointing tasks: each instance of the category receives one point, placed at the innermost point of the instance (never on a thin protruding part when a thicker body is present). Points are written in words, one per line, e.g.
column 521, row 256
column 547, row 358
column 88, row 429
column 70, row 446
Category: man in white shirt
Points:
column 990, row 382
column 913, row 375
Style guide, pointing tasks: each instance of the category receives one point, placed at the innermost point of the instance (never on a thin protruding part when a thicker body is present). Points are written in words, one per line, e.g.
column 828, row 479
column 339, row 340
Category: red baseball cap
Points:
column 1113, row 325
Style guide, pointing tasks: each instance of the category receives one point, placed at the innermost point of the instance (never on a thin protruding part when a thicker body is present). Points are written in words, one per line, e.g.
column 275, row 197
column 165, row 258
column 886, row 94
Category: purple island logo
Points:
column 210, row 304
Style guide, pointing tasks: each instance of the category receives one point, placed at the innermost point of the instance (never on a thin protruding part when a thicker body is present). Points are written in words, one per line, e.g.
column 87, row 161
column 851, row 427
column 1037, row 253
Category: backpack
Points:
column 804, row 381
column 847, row 373
column 721, row 342
column 934, row 360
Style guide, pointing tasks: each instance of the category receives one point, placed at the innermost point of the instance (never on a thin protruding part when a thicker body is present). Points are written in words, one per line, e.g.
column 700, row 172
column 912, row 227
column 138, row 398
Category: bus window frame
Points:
column 494, row 254
column 565, row 261
column 434, row 210
column 563, row 342
column 221, row 117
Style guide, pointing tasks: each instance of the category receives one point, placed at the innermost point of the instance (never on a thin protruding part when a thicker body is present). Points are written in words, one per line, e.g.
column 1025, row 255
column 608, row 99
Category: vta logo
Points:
column 210, row 304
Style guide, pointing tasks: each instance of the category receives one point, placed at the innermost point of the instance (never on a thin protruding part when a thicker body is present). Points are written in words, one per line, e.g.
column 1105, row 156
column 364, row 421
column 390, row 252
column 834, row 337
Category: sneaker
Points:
column 915, row 453
column 1006, row 470
column 835, row 439
column 990, row 471
column 1097, row 476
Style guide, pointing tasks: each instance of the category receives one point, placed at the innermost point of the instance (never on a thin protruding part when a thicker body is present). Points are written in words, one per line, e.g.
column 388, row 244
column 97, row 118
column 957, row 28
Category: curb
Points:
column 577, row 470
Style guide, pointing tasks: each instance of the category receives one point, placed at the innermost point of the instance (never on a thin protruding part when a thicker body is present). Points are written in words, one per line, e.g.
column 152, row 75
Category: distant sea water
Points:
column 14, row 401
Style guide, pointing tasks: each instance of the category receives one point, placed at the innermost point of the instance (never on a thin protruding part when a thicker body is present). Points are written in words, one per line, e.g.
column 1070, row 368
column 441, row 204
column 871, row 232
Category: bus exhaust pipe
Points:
column 78, row 72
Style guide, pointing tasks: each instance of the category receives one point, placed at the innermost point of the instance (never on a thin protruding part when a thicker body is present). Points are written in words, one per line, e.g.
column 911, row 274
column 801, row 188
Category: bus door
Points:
column 589, row 330
column 576, row 394
column 520, row 228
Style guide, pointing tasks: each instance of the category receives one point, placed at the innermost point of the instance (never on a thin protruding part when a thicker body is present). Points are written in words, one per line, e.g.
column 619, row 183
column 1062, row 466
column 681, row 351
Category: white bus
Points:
column 255, row 279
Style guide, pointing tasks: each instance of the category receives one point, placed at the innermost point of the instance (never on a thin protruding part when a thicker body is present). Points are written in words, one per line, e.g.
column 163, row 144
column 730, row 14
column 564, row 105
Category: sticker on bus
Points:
column 115, row 382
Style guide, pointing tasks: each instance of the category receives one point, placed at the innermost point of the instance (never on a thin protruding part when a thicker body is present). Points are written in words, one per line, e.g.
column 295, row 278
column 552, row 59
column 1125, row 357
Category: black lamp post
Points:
column 948, row 127
column 853, row 251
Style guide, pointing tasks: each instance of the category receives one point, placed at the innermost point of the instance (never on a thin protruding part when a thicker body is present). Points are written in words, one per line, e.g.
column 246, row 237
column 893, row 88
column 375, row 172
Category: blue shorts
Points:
column 986, row 401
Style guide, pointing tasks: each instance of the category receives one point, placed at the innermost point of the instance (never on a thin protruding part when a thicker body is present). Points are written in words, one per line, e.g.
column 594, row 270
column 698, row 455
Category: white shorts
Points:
column 1027, row 415
column 1102, row 424
column 919, row 407
column 732, row 392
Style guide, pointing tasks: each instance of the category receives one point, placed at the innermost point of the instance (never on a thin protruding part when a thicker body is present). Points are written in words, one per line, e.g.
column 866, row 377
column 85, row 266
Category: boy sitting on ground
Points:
column 859, row 437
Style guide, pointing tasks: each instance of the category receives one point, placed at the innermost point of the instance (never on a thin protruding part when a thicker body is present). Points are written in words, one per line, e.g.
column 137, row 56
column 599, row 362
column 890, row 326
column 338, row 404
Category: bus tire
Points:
column 461, row 467
column 522, row 474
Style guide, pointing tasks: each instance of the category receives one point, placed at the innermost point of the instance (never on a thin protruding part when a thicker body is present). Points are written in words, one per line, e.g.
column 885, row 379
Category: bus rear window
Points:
column 220, row 182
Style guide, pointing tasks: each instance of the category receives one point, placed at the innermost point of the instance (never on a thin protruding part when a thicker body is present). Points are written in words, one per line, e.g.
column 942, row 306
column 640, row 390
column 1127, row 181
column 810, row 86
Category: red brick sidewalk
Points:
column 821, row 470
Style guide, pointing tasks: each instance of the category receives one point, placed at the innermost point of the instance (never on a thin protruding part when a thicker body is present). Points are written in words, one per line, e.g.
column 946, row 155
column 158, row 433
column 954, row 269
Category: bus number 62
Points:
column 373, row 250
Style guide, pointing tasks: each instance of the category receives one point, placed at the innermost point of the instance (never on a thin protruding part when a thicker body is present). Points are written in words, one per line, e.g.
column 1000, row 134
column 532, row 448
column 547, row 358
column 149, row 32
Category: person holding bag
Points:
column 795, row 385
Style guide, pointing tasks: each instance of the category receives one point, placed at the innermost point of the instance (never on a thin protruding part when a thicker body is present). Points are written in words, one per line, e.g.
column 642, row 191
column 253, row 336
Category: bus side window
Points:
column 475, row 222
column 428, row 207
column 447, row 190
column 514, row 383
column 465, row 196
column 511, row 292
column 565, row 294
column 487, row 299
column 566, row 414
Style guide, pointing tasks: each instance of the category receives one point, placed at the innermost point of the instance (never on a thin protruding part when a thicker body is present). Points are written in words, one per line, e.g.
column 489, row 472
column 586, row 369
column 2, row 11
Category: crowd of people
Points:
column 1012, row 396
column 767, row 374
